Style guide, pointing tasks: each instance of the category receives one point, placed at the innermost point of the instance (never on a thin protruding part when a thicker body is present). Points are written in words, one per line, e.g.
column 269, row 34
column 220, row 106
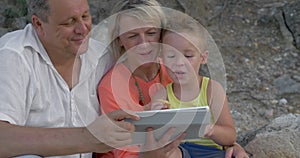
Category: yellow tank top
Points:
column 201, row 100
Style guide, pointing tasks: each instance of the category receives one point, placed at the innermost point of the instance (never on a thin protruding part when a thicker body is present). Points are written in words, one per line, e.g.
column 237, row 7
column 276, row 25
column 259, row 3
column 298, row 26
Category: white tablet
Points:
column 190, row 120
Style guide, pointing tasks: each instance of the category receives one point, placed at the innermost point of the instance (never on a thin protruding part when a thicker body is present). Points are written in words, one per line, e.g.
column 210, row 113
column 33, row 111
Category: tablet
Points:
column 190, row 120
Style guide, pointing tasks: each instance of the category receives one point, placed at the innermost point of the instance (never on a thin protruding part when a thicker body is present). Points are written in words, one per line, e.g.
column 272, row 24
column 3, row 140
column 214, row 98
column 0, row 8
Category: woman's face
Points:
column 140, row 39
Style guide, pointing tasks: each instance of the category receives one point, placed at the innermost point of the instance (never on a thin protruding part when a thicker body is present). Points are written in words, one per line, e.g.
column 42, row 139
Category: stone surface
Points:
column 291, row 15
column 285, row 84
column 278, row 139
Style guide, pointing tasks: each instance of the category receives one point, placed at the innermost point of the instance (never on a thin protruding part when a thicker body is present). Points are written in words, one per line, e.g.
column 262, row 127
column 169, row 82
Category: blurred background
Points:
column 260, row 44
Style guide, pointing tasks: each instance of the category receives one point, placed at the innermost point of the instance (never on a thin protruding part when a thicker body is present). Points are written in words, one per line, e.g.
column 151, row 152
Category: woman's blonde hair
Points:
column 144, row 10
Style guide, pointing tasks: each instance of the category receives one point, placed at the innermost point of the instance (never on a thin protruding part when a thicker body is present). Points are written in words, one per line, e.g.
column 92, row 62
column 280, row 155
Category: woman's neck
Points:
column 147, row 72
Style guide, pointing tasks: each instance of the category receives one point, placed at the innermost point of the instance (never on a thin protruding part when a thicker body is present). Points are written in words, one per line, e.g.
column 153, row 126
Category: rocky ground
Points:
column 260, row 44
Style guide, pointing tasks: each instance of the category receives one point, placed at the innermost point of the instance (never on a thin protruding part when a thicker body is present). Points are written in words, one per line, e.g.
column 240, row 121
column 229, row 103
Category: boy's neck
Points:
column 187, row 92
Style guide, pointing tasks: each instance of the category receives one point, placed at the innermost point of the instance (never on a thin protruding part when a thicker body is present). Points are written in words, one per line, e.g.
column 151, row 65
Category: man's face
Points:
column 68, row 27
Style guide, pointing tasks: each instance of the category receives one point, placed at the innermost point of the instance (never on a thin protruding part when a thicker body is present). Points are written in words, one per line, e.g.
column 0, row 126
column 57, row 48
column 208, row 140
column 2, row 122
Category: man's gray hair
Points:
column 39, row 8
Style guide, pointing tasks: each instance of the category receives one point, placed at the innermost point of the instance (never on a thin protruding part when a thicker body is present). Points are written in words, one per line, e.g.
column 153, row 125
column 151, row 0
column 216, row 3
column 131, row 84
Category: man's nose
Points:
column 81, row 27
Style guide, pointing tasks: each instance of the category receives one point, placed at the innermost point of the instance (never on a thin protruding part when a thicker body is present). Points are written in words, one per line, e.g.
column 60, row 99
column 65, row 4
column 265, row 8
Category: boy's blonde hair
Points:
column 148, row 11
column 181, row 24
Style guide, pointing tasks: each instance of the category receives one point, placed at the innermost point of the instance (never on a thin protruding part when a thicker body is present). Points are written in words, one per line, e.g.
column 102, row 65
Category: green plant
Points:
column 18, row 10
column 22, row 5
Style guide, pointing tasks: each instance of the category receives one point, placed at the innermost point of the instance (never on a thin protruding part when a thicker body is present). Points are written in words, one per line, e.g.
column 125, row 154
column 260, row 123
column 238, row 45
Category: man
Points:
column 49, row 74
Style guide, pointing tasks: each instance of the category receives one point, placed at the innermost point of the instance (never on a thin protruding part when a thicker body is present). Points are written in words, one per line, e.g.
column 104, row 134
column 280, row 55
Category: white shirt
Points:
column 32, row 93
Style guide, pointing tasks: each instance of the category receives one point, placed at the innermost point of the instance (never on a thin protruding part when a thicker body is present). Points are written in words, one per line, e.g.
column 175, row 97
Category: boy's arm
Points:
column 223, row 130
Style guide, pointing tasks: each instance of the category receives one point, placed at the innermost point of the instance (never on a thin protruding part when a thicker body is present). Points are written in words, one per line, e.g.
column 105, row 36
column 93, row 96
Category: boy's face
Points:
column 181, row 56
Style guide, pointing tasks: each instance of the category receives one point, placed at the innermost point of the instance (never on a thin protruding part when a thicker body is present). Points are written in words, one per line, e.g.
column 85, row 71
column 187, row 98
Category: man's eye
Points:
column 69, row 22
column 86, row 17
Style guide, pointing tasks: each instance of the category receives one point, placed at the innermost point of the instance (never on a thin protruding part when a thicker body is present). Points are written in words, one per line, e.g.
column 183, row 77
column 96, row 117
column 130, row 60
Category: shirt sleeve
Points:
column 14, row 87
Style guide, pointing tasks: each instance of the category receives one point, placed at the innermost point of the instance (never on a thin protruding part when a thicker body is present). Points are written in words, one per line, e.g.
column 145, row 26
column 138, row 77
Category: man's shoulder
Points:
column 97, row 52
column 17, row 40
column 97, row 46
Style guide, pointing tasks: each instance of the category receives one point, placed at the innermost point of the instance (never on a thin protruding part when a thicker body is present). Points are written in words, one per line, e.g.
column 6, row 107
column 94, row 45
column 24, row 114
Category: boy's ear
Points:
column 204, row 57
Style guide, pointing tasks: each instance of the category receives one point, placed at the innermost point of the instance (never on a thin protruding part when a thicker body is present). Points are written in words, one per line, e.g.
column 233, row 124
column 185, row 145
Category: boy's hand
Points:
column 158, row 99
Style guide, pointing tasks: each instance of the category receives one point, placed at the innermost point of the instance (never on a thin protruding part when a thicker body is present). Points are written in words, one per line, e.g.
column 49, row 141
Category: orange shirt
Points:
column 117, row 90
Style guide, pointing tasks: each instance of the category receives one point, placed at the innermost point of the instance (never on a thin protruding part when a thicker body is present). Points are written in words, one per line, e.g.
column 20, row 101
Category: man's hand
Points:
column 112, row 130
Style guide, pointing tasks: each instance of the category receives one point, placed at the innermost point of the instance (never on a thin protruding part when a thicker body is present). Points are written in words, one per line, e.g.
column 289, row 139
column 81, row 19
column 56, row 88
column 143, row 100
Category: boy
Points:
column 184, row 50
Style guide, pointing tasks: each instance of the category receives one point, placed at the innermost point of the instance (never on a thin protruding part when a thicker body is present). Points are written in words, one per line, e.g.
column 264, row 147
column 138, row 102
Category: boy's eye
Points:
column 188, row 56
column 152, row 33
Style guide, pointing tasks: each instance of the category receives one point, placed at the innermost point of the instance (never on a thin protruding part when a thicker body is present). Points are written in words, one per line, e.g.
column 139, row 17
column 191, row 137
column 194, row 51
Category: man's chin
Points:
column 82, row 49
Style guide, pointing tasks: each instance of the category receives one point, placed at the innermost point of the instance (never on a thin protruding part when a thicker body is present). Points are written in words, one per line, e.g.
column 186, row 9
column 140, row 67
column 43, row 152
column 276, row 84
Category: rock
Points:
column 278, row 139
column 19, row 23
column 269, row 113
column 296, row 78
column 285, row 84
column 292, row 18
column 3, row 31
column 283, row 101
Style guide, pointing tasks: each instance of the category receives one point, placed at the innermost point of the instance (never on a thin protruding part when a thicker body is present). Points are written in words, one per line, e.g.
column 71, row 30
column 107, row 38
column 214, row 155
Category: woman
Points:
column 136, row 32
column 138, row 74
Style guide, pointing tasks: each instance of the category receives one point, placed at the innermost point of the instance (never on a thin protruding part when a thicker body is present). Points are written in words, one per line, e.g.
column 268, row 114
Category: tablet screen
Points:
column 190, row 120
